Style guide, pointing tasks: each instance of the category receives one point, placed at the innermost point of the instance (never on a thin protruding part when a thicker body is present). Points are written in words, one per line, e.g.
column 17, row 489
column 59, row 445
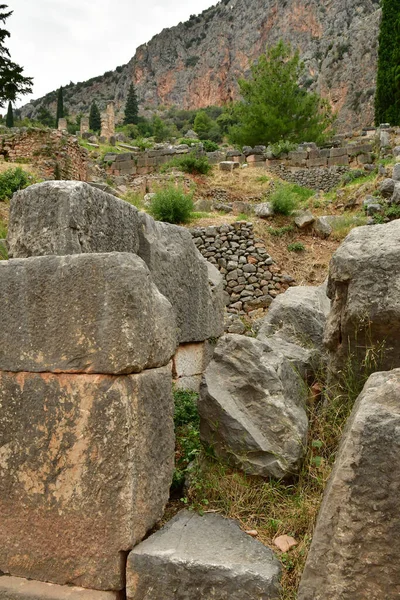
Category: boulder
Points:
column 322, row 227
column 386, row 188
column 264, row 210
column 395, row 198
column 252, row 408
column 17, row 588
column 86, row 313
column 192, row 285
column 396, row 172
column 228, row 165
column 303, row 218
column 206, row 557
column 364, row 277
column 70, row 217
column 355, row 552
column 86, row 464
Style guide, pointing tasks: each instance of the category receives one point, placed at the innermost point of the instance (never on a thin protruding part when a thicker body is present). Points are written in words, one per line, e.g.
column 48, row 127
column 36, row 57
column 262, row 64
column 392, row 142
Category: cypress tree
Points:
column 10, row 116
column 132, row 107
column 60, row 106
column 94, row 117
column 387, row 99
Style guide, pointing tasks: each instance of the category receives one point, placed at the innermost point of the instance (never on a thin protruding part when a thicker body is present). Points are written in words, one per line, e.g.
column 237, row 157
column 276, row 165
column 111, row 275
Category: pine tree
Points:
column 94, row 118
column 12, row 82
column 60, row 106
column 10, row 116
column 275, row 107
column 387, row 99
column 132, row 107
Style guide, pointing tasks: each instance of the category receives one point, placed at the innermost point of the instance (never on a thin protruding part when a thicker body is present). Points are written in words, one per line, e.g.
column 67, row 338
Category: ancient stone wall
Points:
column 49, row 150
column 252, row 279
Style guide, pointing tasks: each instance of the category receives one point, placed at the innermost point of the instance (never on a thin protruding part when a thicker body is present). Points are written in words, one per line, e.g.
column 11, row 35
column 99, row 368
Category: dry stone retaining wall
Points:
column 252, row 279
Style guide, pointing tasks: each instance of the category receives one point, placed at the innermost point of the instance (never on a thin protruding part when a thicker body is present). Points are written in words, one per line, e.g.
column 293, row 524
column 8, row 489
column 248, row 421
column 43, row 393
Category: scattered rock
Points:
column 206, row 556
column 354, row 553
column 322, row 227
column 228, row 165
column 396, row 172
column 303, row 218
column 148, row 198
column 251, row 408
column 285, row 543
column 386, row 188
column 264, row 210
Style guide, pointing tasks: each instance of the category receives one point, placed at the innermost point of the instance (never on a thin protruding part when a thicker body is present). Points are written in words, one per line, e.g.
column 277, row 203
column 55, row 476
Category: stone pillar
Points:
column 84, row 125
column 62, row 124
column 108, row 122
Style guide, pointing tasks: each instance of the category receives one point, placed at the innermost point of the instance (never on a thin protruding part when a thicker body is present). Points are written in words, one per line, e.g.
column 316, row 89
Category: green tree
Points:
column 45, row 117
column 161, row 131
column 12, row 82
column 387, row 99
column 10, row 116
column 275, row 107
column 202, row 124
column 131, row 107
column 94, row 117
column 60, row 106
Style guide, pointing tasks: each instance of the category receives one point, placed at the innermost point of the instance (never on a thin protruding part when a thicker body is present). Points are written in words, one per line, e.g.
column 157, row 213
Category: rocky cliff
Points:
column 197, row 63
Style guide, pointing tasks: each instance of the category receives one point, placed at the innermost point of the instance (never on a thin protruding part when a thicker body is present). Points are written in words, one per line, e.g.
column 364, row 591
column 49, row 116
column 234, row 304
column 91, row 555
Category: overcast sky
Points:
column 58, row 41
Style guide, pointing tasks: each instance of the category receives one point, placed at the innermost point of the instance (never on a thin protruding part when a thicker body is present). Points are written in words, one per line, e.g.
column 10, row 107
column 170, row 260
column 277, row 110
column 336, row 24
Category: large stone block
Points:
column 252, row 408
column 88, row 313
column 86, row 463
column 195, row 557
column 70, row 217
column 17, row 588
column 355, row 552
column 192, row 285
column 364, row 279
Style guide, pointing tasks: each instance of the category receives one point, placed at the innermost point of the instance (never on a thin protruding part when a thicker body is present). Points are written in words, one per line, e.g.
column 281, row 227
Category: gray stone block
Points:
column 17, row 588
column 195, row 557
column 86, row 466
column 70, row 217
column 87, row 313
column 355, row 552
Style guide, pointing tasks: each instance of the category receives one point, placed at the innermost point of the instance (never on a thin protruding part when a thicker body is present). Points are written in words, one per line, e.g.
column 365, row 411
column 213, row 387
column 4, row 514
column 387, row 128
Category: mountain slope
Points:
column 197, row 63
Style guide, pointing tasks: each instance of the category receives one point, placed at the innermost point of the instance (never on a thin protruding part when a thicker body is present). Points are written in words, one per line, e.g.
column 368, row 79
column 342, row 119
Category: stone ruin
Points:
column 62, row 124
column 108, row 122
column 84, row 127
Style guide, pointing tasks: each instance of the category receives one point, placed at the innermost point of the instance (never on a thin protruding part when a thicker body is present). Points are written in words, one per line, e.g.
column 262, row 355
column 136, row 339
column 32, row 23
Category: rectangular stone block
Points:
column 70, row 217
column 254, row 158
column 298, row 156
column 256, row 165
column 338, row 161
column 297, row 163
column 312, row 154
column 317, row 162
column 86, row 463
column 17, row 588
column 189, row 364
column 84, row 313
column 336, row 152
column 357, row 149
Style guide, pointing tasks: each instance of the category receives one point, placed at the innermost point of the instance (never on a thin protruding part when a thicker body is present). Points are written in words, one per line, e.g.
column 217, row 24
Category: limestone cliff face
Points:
column 197, row 63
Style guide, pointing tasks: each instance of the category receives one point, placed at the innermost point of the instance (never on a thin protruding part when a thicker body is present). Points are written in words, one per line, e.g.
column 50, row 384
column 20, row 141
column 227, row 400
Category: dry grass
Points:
column 241, row 182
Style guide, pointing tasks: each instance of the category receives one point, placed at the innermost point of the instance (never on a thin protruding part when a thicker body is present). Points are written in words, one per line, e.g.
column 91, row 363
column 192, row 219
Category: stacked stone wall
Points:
column 49, row 150
column 252, row 279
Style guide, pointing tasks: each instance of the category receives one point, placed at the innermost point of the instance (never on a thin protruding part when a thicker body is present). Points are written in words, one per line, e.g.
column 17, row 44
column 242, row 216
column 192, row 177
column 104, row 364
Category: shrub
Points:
column 13, row 180
column 296, row 247
column 171, row 205
column 189, row 141
column 283, row 200
column 282, row 147
column 187, row 432
column 210, row 146
column 189, row 163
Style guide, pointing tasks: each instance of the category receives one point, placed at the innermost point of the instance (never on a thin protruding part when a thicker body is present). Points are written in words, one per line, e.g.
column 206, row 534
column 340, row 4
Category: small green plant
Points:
column 288, row 196
column 282, row 147
column 210, row 146
column 13, row 180
column 3, row 235
column 296, row 247
column 280, row 231
column 172, row 205
column 189, row 163
column 262, row 179
column 242, row 217
column 187, row 433
column 189, row 141
column 134, row 198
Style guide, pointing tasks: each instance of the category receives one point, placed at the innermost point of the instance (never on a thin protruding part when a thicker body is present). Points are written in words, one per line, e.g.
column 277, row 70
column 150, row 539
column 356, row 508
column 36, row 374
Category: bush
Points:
column 283, row 201
column 282, row 147
column 210, row 146
column 296, row 247
column 189, row 141
column 13, row 180
column 189, row 164
column 171, row 205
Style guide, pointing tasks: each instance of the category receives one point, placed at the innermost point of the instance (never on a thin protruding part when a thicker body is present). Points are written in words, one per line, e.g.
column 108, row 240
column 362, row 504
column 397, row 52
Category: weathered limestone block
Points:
column 195, row 557
column 337, row 161
column 87, row 313
column 355, row 552
column 86, row 463
column 17, row 588
column 70, row 217
column 252, row 408
column 192, row 285
column 189, row 363
column 303, row 218
column 364, row 279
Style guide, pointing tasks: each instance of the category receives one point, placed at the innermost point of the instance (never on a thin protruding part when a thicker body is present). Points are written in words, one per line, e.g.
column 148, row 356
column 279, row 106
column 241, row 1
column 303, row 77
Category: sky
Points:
column 58, row 41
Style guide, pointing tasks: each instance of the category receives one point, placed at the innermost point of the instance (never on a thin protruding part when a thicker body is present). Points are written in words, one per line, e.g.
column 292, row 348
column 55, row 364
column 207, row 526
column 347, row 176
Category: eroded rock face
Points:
column 87, row 313
column 252, row 407
column 364, row 282
column 196, row 557
column 17, row 588
column 355, row 554
column 69, row 217
column 86, row 463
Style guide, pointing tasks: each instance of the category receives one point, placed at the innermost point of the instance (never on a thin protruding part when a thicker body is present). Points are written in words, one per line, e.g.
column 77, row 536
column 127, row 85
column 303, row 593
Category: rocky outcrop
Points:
column 355, row 552
column 364, row 323
column 197, row 63
column 252, row 408
column 206, row 556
